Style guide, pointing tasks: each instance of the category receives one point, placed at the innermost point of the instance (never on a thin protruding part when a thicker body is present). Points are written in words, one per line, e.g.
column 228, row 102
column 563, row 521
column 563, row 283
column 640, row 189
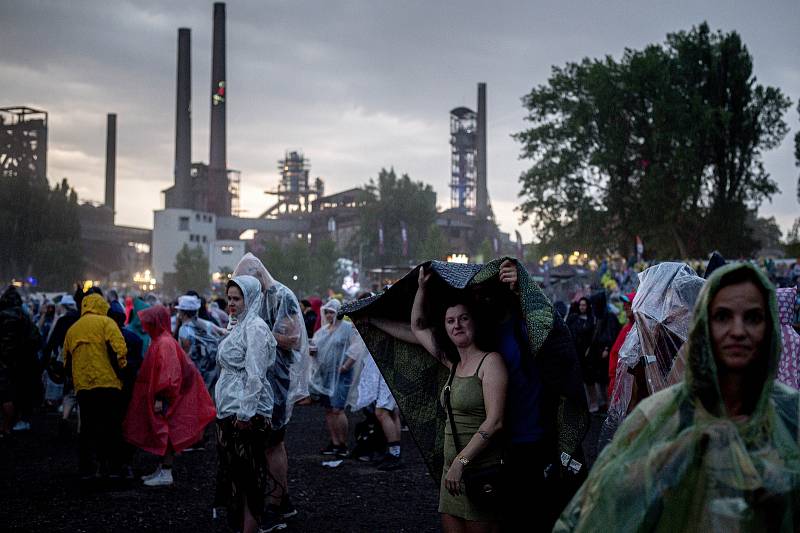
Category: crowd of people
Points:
column 695, row 378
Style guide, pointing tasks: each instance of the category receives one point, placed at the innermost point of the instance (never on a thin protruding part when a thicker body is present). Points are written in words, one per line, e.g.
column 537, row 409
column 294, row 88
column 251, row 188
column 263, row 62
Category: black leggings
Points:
column 101, row 429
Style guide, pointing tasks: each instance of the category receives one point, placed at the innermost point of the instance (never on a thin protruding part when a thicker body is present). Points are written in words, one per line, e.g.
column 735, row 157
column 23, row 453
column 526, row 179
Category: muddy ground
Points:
column 41, row 491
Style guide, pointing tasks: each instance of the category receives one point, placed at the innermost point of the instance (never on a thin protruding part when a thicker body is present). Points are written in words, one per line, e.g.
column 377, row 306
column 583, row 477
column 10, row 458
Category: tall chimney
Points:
column 183, row 121
column 218, row 198
column 111, row 159
column 481, row 193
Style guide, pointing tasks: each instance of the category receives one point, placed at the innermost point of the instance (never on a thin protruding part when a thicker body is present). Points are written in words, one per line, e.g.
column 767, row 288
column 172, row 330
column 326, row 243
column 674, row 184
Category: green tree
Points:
column 41, row 232
column 395, row 201
column 191, row 270
column 307, row 270
column 434, row 246
column 797, row 153
column 664, row 143
column 792, row 247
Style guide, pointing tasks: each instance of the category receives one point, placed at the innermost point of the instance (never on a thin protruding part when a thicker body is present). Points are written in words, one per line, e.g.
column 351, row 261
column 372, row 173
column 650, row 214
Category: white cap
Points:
column 188, row 303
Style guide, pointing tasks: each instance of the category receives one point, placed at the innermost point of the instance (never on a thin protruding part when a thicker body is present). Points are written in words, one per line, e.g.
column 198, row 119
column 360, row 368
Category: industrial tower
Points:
column 468, row 190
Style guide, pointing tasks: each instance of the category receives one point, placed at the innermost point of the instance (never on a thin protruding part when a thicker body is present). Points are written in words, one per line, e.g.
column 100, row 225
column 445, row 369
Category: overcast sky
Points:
column 356, row 85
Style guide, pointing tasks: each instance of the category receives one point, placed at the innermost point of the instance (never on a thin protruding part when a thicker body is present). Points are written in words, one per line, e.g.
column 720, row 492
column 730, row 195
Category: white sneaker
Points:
column 162, row 479
column 151, row 476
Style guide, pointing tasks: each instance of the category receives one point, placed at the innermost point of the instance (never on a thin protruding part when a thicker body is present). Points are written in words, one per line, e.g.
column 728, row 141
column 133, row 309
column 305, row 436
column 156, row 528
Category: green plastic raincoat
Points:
column 679, row 463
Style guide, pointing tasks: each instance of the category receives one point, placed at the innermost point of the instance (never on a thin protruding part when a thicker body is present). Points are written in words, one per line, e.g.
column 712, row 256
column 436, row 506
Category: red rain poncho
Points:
column 169, row 375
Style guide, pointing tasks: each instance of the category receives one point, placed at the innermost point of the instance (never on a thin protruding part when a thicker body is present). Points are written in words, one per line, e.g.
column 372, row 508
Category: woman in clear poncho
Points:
column 280, row 310
column 338, row 353
column 662, row 311
column 718, row 451
column 244, row 407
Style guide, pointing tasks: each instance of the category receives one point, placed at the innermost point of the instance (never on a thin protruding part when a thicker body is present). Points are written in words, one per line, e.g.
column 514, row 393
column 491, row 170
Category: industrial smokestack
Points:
column 111, row 159
column 481, row 193
column 218, row 198
column 183, row 121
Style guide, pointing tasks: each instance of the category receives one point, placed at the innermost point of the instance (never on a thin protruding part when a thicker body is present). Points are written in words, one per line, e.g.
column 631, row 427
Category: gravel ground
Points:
column 40, row 491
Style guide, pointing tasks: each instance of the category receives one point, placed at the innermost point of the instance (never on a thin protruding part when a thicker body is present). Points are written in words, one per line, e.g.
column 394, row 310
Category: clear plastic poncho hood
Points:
column 662, row 311
column 280, row 309
column 680, row 463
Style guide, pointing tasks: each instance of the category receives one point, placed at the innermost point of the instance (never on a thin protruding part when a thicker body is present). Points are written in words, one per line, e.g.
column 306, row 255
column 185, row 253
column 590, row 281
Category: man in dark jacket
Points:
column 19, row 342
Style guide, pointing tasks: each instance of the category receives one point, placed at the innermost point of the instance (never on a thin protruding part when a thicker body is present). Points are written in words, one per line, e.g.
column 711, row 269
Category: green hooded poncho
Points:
column 679, row 463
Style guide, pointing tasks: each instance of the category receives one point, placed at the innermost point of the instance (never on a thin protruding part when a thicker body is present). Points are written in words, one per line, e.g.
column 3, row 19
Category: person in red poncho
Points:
column 170, row 407
column 627, row 303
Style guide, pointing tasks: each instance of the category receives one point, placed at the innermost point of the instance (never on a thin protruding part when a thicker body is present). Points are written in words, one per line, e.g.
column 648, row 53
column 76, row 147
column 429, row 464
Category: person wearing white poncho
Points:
column 338, row 352
column 244, row 406
column 281, row 312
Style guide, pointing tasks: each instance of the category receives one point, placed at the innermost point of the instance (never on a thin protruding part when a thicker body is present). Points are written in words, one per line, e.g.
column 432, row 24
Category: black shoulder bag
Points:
column 484, row 484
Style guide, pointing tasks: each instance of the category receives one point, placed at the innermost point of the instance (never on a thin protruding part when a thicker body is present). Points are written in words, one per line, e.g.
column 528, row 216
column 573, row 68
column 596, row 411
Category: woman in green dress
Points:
column 477, row 397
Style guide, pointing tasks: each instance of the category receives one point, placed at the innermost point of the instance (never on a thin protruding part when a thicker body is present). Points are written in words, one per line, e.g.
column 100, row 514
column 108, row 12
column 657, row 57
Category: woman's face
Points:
column 459, row 325
column 235, row 300
column 738, row 326
column 330, row 315
column 583, row 307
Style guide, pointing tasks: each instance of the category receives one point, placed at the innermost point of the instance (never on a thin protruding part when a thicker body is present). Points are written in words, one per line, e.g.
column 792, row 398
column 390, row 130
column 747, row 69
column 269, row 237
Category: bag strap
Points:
column 449, row 408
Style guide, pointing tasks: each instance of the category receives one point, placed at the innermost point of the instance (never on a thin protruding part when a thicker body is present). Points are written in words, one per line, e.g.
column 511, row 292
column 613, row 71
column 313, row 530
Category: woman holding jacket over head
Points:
column 477, row 393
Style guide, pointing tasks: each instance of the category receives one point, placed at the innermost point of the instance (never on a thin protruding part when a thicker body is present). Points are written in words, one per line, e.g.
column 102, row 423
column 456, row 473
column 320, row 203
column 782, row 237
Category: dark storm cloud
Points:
column 356, row 85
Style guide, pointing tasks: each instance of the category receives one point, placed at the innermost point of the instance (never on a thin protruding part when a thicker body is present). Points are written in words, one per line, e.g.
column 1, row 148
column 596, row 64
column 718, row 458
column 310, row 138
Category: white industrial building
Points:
column 172, row 228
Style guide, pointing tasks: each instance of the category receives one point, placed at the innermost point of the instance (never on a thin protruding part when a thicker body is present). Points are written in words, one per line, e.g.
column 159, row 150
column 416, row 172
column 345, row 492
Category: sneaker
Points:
column 162, row 479
column 286, row 509
column 271, row 521
column 390, row 462
column 341, row 452
column 330, row 449
column 21, row 426
column 150, row 476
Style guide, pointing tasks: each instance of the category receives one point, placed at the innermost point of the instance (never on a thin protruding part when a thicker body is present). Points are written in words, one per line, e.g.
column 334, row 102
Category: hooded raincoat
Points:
column 662, row 317
column 280, row 310
column 244, row 357
column 135, row 324
column 87, row 343
column 336, row 341
column 167, row 374
column 680, row 463
column 789, row 369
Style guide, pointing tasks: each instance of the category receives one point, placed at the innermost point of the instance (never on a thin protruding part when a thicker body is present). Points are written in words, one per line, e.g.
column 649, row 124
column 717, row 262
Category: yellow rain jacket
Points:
column 85, row 347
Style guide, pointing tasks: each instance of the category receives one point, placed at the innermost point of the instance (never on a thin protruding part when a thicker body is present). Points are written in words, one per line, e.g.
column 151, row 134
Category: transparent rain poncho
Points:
column 335, row 341
column 244, row 356
column 662, row 312
column 680, row 463
column 281, row 311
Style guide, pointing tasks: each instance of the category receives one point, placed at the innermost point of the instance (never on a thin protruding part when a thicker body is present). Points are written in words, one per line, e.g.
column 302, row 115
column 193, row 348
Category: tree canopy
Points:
column 191, row 270
column 665, row 143
column 396, row 203
column 307, row 270
column 41, row 232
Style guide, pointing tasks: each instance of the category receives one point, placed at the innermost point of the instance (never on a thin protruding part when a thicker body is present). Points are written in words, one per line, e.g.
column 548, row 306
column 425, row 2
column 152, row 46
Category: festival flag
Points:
column 404, row 237
column 380, row 238
column 496, row 245
column 639, row 248
column 520, row 251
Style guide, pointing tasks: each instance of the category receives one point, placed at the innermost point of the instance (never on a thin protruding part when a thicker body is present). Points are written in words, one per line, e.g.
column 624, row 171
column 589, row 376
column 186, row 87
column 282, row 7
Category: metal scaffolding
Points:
column 464, row 152
column 294, row 191
column 23, row 143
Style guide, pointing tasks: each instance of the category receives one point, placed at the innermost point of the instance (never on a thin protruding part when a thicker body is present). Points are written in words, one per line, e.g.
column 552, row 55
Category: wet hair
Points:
column 305, row 302
column 222, row 303
column 94, row 289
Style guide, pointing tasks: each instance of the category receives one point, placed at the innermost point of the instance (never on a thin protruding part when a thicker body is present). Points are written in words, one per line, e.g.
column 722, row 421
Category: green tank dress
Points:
column 469, row 412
